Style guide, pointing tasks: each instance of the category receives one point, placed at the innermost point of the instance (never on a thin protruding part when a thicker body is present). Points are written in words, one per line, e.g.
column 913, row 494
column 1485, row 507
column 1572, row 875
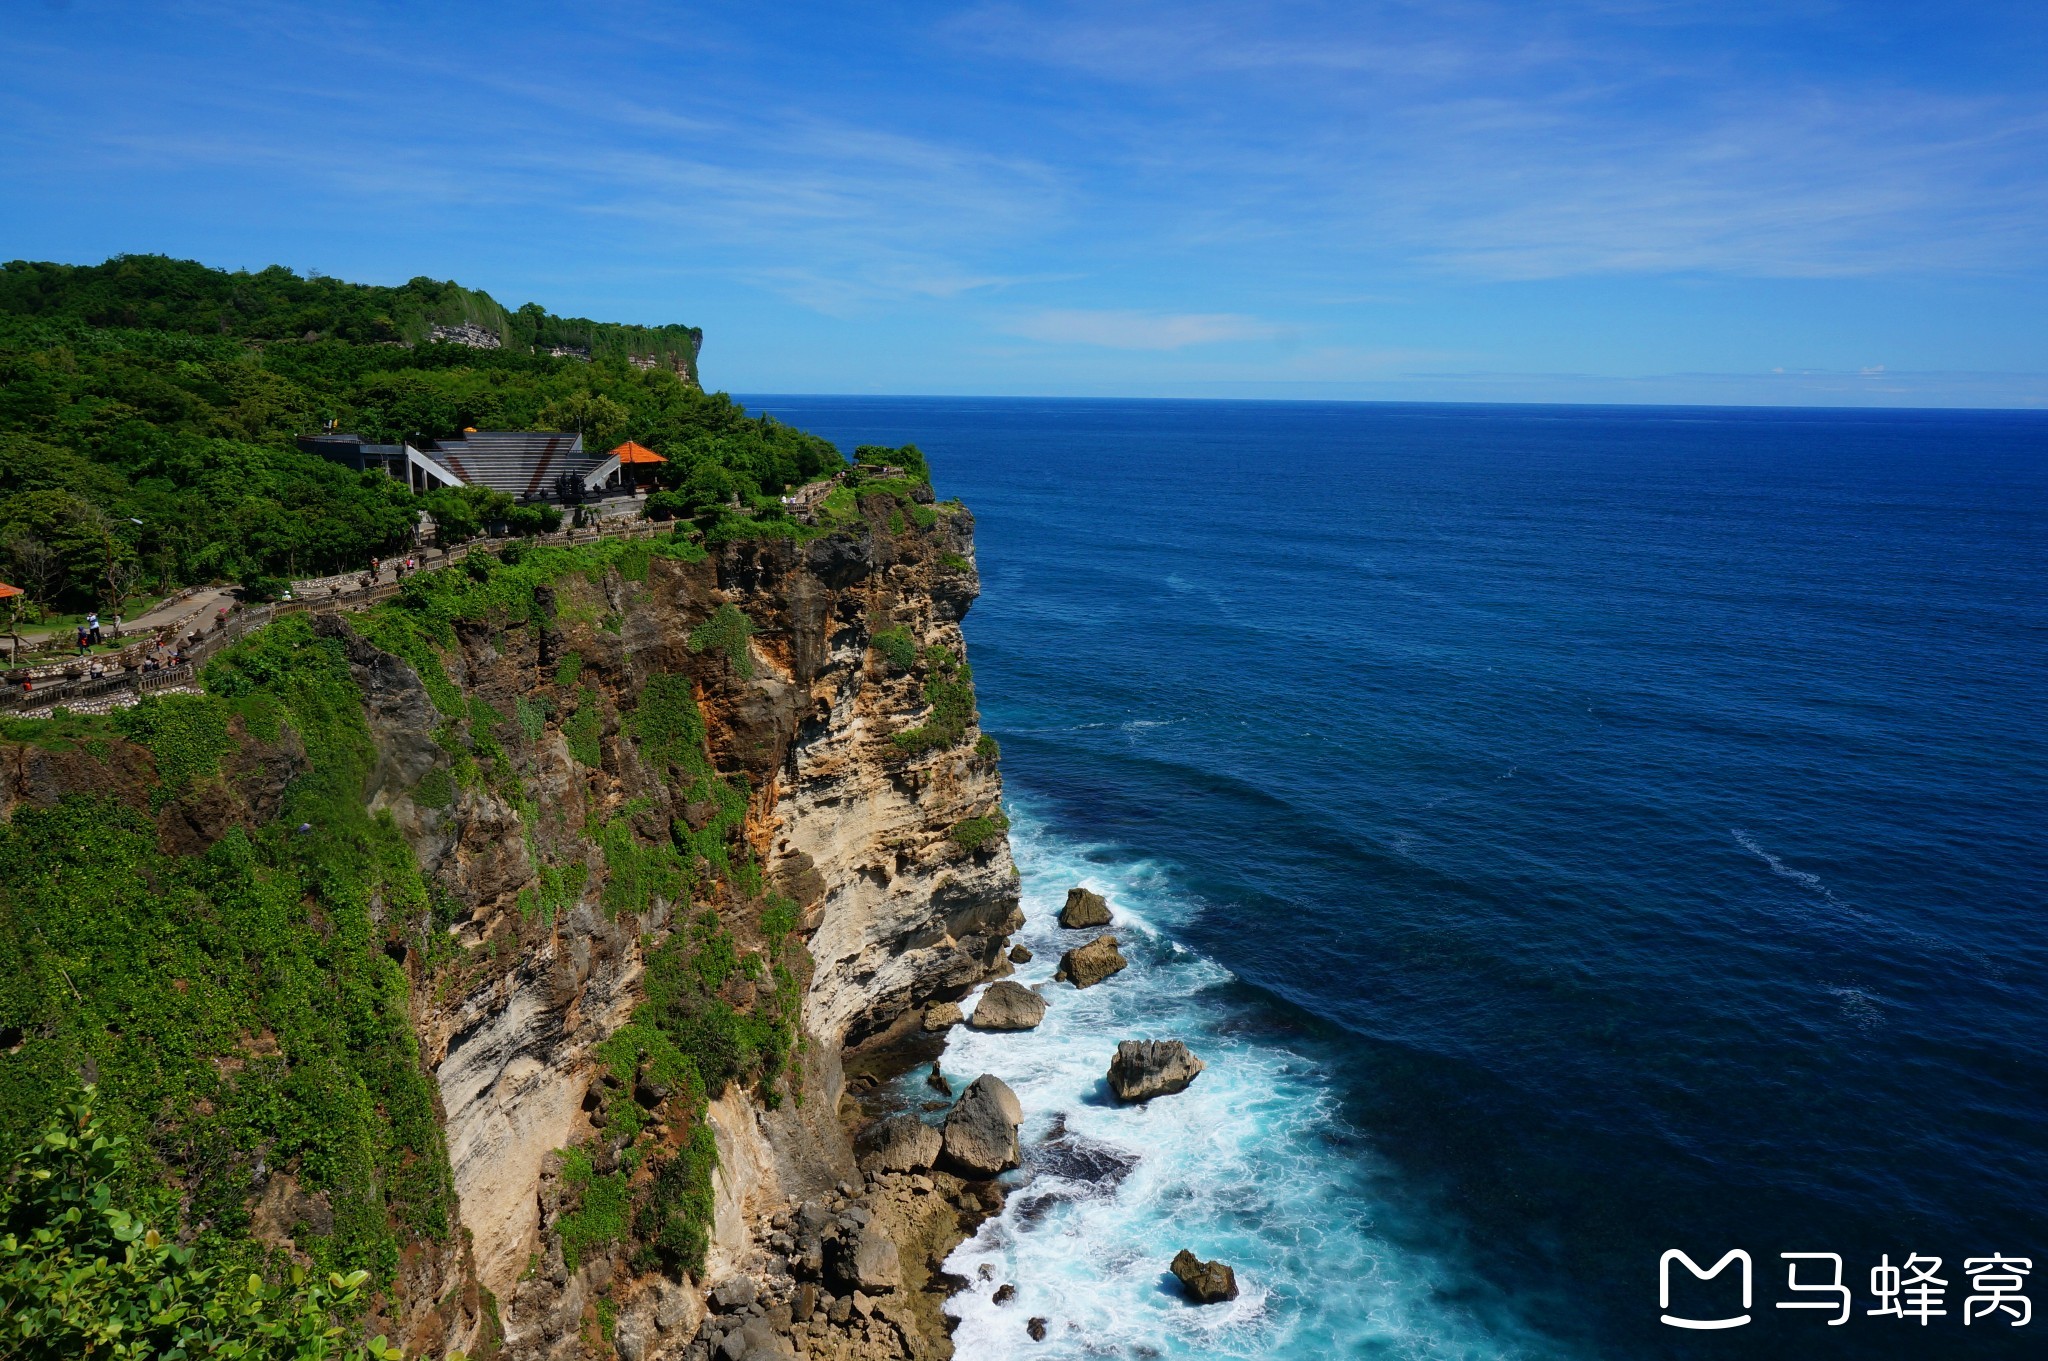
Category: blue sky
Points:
column 1610, row 200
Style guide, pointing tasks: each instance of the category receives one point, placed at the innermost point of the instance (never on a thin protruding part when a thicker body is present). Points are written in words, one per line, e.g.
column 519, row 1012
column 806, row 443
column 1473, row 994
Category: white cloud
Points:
column 1121, row 330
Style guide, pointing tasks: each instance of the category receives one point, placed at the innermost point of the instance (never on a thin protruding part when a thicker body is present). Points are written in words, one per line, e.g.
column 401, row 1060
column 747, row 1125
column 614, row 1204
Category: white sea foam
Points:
column 1249, row 1165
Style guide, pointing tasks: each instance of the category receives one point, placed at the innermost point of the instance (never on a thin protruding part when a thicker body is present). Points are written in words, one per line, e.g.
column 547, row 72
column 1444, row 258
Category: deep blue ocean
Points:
column 1567, row 834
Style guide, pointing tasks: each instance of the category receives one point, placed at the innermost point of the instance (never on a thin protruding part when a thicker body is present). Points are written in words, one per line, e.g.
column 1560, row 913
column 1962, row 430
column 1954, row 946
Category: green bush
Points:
column 435, row 790
column 584, row 729
column 975, row 833
column 601, row 1216
column 674, row 1225
column 727, row 631
column 896, row 646
column 949, row 690
column 82, row 1274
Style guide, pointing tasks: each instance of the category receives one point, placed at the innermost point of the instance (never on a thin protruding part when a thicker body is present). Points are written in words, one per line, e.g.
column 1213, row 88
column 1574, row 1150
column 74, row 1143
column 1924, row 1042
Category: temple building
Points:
column 531, row 465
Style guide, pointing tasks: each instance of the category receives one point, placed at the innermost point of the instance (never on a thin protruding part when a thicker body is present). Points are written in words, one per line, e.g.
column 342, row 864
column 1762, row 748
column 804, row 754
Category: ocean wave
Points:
column 1239, row 1167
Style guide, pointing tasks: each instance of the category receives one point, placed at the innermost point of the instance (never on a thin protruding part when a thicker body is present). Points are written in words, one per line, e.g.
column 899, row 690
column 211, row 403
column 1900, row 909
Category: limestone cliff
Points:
column 851, row 826
column 734, row 798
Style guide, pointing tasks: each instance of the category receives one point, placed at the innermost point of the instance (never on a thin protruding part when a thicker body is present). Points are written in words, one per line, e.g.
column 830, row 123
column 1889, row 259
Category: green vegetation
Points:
column 636, row 875
column 599, row 1219
column 674, row 1222
column 949, row 690
column 160, row 391
column 986, row 748
column 240, row 1007
column 187, row 734
column 584, row 729
column 896, row 646
column 726, row 631
column 86, row 1272
column 975, row 833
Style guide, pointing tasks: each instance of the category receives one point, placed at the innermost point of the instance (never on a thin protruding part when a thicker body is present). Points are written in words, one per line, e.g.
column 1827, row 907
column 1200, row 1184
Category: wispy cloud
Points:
column 1119, row 330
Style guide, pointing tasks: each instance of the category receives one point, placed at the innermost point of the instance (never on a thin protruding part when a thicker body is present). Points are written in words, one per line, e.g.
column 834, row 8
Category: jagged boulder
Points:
column 734, row 1293
column 1008, row 1006
column 867, row 1260
column 1086, row 965
column 1084, row 909
column 755, row 1340
column 1204, row 1282
column 899, row 1143
column 1020, row 954
column 942, row 1015
column 1143, row 1069
column 981, row 1130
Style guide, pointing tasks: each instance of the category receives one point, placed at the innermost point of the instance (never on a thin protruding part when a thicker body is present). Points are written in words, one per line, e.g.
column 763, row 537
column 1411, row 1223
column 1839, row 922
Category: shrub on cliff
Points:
column 726, row 631
column 949, row 690
column 239, row 1004
column 896, row 646
column 84, row 1274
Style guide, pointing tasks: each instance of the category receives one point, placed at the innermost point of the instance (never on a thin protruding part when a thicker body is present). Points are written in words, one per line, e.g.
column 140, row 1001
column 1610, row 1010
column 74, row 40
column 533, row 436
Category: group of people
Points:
column 90, row 635
column 400, row 570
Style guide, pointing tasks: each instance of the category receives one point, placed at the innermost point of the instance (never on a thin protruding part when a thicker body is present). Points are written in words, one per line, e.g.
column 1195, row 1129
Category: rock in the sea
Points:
column 1020, row 954
column 1205, row 1282
column 1143, row 1069
column 981, row 1129
column 1087, row 965
column 936, row 1080
column 1005, row 1292
column 1036, row 1327
column 899, row 1143
column 1084, row 909
column 1008, row 1006
column 940, row 1015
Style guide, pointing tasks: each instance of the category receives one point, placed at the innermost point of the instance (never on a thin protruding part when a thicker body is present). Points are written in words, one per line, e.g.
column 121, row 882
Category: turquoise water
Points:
column 1567, row 834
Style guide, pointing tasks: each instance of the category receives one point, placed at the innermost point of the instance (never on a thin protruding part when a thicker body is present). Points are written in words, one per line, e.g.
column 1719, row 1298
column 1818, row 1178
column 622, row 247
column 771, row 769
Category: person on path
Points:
column 92, row 626
column 83, row 635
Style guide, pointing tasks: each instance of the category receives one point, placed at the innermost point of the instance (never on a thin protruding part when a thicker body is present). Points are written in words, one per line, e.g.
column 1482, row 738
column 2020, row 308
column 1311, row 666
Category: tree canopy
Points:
column 149, row 410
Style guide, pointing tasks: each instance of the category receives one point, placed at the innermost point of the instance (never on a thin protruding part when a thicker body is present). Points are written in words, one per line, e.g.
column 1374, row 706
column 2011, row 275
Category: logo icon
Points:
column 1664, row 1288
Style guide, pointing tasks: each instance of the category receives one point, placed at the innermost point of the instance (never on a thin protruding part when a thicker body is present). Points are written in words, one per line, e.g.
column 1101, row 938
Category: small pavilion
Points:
column 637, row 463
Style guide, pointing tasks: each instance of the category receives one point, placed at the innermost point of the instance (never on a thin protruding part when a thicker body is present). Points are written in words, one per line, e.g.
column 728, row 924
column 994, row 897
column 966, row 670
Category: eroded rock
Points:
column 899, row 1143
column 1084, row 909
column 981, row 1130
column 1204, row 1282
column 1086, row 965
column 1143, row 1069
column 1008, row 1006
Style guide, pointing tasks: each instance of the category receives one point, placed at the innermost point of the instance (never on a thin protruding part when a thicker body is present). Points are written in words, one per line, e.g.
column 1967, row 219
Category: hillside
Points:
column 149, row 408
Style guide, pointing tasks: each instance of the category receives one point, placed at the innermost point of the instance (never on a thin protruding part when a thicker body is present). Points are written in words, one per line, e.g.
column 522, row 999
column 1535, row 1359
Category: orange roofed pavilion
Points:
column 630, row 452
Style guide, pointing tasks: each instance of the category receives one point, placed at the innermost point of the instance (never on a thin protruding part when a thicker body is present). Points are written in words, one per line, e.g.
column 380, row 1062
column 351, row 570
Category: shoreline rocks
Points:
column 1084, row 909
column 1086, row 965
column 980, row 1136
column 1204, row 1282
column 899, row 1143
column 1143, row 1069
column 1008, row 1006
column 942, row 1016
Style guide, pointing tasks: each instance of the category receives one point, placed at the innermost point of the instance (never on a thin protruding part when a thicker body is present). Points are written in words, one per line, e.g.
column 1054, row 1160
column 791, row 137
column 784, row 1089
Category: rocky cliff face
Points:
column 853, row 828
column 769, row 753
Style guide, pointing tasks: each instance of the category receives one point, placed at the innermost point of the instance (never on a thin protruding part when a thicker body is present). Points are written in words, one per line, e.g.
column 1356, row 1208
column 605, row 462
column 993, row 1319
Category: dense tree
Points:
column 149, row 411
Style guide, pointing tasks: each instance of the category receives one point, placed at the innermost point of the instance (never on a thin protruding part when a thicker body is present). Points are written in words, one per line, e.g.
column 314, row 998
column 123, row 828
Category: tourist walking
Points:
column 92, row 627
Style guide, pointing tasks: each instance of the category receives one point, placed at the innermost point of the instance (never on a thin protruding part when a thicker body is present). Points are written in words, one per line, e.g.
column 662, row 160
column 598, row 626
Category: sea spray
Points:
column 1253, row 1164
